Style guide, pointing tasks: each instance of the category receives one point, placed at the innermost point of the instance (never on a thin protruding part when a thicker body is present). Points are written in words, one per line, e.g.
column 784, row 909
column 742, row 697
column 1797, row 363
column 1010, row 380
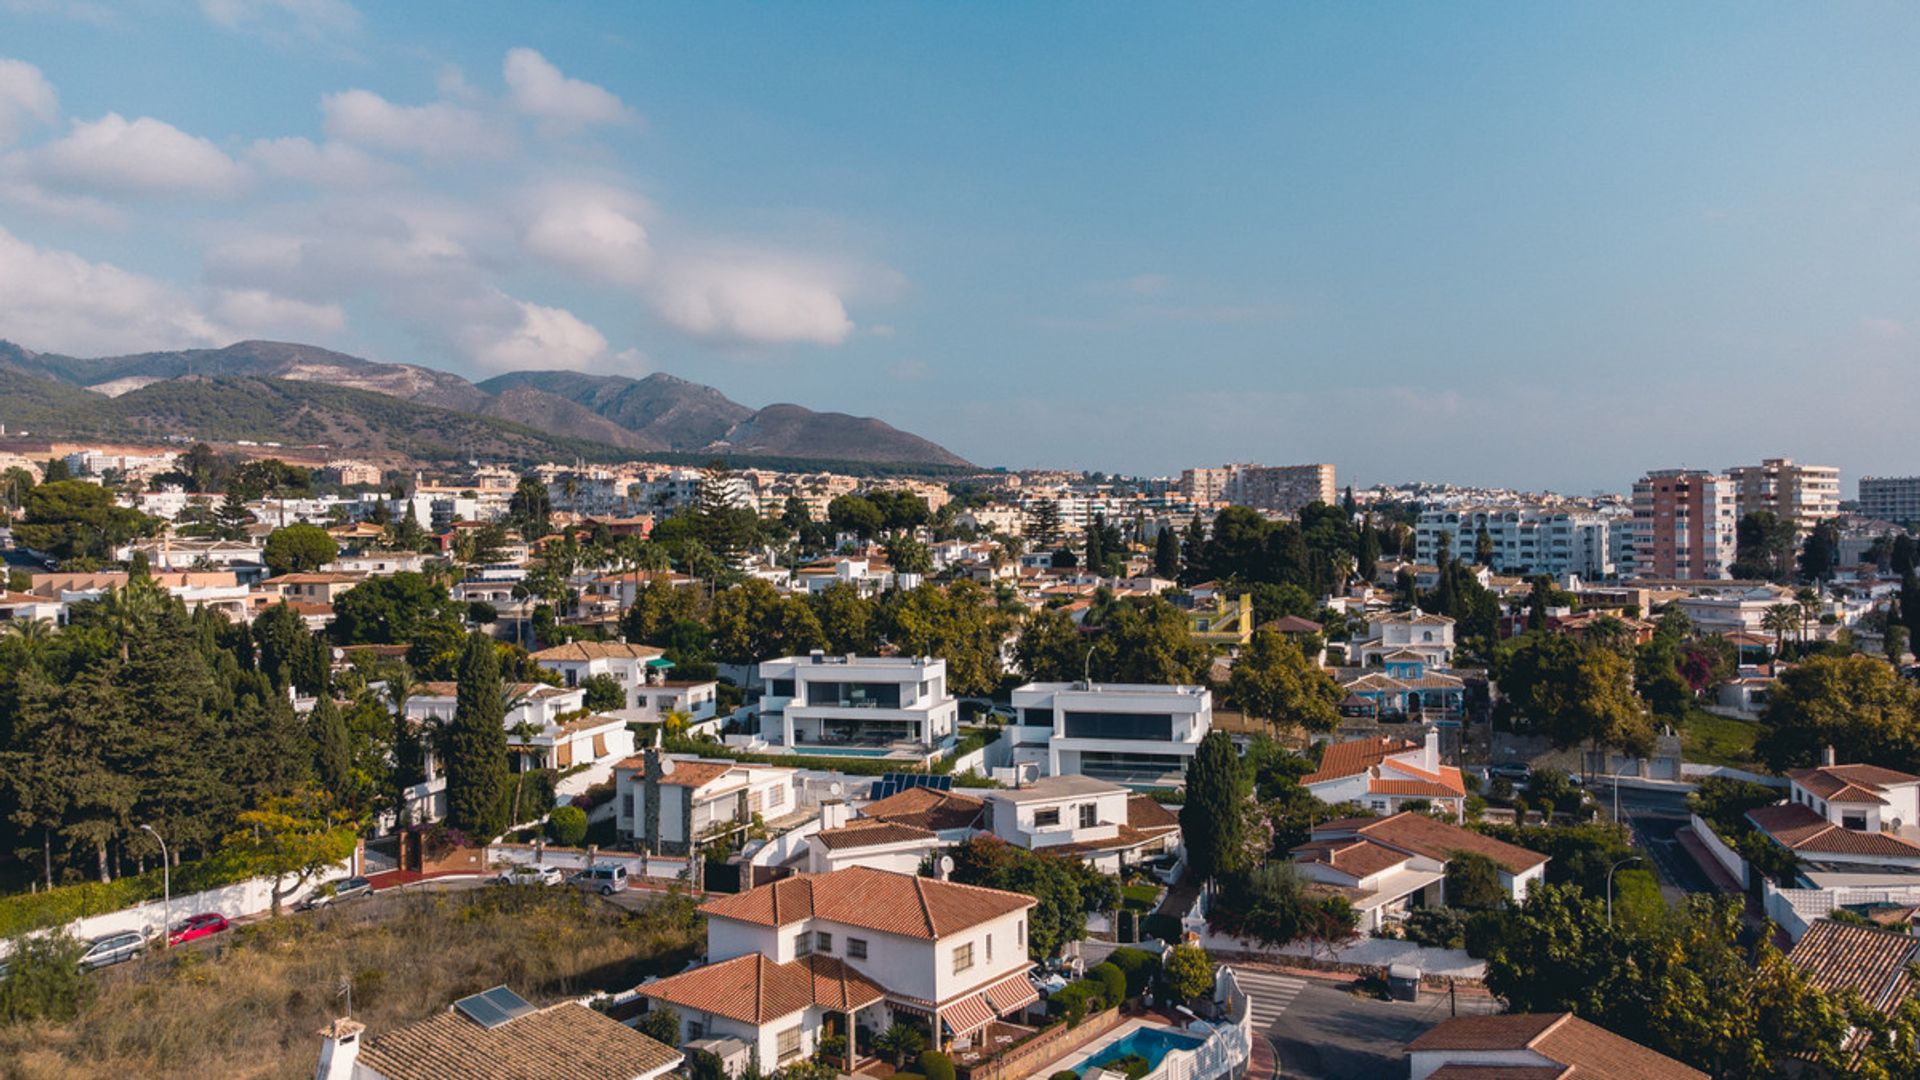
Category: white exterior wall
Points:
column 1423, row 1063
column 935, row 713
column 1014, row 821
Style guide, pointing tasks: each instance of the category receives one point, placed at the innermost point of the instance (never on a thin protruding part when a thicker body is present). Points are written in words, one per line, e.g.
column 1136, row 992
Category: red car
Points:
column 197, row 927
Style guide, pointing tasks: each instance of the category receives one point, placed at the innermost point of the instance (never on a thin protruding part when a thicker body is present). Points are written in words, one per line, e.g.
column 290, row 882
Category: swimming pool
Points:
column 1151, row 1043
column 839, row 751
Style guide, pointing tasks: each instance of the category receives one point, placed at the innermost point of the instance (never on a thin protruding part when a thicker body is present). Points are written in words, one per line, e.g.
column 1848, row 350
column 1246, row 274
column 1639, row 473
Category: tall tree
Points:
column 1859, row 705
column 1274, row 680
column 299, row 548
column 1166, row 554
column 1367, row 560
column 1211, row 820
column 332, row 746
column 1483, row 547
column 476, row 745
column 530, row 509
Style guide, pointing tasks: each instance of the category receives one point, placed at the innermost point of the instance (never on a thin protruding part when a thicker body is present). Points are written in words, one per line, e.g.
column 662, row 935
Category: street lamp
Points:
column 166, row 890
column 1610, row 870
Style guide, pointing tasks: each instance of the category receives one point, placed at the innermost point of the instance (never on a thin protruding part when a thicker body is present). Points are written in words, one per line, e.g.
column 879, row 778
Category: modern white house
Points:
column 1385, row 774
column 813, row 955
column 669, row 805
column 1391, row 865
column 861, row 706
column 1137, row 734
column 642, row 672
column 496, row 1033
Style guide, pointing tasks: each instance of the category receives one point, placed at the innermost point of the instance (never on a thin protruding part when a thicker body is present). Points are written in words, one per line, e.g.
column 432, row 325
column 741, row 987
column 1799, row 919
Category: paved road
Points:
column 1655, row 816
column 1270, row 993
column 1326, row 1033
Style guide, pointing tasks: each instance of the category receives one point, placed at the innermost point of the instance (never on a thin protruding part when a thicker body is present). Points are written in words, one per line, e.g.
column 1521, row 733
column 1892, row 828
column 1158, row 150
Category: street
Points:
column 1654, row 816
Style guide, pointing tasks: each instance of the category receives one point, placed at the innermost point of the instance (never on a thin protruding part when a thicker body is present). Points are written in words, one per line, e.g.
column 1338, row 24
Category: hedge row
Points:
column 59, row 906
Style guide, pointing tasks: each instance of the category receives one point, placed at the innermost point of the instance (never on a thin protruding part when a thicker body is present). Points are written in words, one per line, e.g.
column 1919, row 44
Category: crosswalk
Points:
column 1270, row 994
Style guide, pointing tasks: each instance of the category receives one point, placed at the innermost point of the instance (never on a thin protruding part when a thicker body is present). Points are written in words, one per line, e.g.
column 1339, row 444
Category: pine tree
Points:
column 1166, row 554
column 1043, row 524
column 1346, row 501
column 233, row 517
column 332, row 747
column 476, row 745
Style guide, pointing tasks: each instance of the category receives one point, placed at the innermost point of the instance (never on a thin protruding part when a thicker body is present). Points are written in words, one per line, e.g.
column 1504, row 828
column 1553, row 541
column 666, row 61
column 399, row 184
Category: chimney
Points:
column 833, row 813
column 339, row 1048
column 1430, row 753
column 1826, row 756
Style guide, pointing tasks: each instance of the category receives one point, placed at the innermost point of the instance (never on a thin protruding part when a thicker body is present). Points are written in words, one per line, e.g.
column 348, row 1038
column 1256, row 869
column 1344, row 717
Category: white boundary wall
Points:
column 1728, row 859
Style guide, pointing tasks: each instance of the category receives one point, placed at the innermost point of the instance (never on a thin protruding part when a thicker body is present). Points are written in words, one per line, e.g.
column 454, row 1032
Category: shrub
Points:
column 935, row 1065
column 1127, row 928
column 1065, row 1074
column 1161, row 925
column 1483, row 933
column 44, row 980
column 1189, row 971
column 61, row 905
column 660, row 1023
column 1113, row 982
column 567, row 825
column 1133, row 1066
column 1140, row 967
column 1076, row 999
column 1437, row 928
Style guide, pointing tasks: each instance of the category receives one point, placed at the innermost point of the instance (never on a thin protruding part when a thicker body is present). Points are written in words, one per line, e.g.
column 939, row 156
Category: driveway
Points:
column 1327, row 1033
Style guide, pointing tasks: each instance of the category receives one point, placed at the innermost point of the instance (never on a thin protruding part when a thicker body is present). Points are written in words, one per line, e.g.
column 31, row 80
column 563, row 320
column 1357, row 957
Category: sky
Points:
column 1531, row 245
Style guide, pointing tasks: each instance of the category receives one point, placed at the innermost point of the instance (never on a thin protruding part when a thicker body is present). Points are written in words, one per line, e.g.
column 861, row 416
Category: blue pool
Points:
column 1149, row 1042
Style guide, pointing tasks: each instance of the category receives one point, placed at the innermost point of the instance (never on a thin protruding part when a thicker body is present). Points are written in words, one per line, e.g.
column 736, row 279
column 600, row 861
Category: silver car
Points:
column 112, row 949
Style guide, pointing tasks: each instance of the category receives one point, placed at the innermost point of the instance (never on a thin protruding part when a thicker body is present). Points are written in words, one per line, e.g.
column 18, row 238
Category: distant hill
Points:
column 267, row 390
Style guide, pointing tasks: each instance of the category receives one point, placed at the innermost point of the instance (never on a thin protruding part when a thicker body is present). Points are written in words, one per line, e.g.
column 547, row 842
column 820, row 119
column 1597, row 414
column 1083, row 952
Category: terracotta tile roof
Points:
column 1293, row 624
column 598, row 650
column 874, row 899
column 1356, row 756
column 1417, row 789
column 1850, row 783
column 928, row 809
column 1797, row 827
column 754, row 990
column 862, row 833
column 1836, row 956
column 1501, row 1072
column 1358, row 857
column 1586, row 1051
column 1436, row 839
column 565, row 1042
column 1145, row 813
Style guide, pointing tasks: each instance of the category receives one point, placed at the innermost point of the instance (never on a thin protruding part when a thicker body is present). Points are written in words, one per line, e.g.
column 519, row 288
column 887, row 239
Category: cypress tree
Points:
column 332, row 747
column 1166, row 555
column 1368, row 561
column 1212, row 819
column 476, row 754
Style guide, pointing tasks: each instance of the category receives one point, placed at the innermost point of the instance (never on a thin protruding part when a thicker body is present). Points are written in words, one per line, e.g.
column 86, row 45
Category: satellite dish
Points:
column 666, row 765
column 946, row 865
column 833, row 788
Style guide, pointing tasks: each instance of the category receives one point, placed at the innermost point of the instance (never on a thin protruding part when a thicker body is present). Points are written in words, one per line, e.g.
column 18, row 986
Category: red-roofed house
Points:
column 669, row 805
column 1535, row 1046
column 1384, row 773
column 814, row 954
column 1846, row 820
column 1389, row 865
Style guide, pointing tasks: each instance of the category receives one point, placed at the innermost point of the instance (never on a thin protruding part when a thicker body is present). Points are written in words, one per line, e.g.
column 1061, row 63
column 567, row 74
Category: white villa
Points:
column 1384, row 774
column 641, row 671
column 1138, row 734
column 667, row 805
column 819, row 954
column 1388, row 866
column 1428, row 636
column 1851, row 825
column 866, row 705
column 1102, row 823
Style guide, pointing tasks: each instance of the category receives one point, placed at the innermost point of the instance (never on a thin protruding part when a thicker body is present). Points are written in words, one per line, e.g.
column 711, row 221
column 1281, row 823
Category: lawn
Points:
column 253, row 1006
column 1707, row 739
column 1140, row 896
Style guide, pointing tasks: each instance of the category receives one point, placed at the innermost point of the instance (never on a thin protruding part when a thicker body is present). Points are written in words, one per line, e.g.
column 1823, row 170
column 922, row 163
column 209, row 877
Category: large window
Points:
column 962, row 957
column 1046, row 819
column 780, row 688
column 1108, row 725
column 854, row 695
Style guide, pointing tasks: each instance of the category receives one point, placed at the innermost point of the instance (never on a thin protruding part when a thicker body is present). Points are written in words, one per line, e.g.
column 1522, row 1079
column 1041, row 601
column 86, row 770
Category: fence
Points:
column 1722, row 854
column 1796, row 909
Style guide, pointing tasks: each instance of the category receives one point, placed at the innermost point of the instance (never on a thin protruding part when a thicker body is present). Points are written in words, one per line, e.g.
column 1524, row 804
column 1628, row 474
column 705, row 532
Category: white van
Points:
column 605, row 879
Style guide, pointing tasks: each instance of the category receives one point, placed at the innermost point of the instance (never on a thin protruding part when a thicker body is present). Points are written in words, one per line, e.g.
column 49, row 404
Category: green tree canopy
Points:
column 1212, row 821
column 299, row 548
column 475, row 757
column 1274, row 680
column 73, row 519
column 1859, row 705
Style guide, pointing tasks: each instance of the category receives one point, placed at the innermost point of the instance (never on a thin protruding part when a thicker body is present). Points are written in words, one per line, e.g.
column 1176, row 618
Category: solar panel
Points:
column 895, row 783
column 492, row 1008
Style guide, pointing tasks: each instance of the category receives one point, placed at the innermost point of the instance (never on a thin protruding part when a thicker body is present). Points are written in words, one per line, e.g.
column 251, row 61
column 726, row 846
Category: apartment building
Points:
column 1526, row 539
column 857, row 705
column 1206, row 485
column 1683, row 525
column 1138, row 734
column 1891, row 498
column 1280, row 488
column 1803, row 494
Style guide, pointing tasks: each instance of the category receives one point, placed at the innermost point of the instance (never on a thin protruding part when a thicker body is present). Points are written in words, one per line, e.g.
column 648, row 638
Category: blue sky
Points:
column 1534, row 245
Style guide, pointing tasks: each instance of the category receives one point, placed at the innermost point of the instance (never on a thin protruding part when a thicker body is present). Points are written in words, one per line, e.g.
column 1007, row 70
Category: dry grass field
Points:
column 252, row 1005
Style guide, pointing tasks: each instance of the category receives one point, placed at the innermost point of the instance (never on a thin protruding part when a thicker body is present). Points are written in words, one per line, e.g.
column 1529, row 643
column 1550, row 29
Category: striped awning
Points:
column 1011, row 995
column 970, row 1013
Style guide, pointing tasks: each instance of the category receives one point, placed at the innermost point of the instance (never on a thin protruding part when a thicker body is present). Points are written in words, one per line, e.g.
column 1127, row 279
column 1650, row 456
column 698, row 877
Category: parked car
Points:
column 604, row 879
column 335, row 891
column 112, row 949
column 195, row 927
column 530, row 875
column 1514, row 772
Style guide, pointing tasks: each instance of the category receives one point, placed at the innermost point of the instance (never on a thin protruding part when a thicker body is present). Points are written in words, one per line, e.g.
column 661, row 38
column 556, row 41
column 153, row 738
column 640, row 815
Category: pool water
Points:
column 1149, row 1042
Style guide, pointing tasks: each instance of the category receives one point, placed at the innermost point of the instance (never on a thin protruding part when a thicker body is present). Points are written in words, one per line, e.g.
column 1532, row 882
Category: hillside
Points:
column 279, row 391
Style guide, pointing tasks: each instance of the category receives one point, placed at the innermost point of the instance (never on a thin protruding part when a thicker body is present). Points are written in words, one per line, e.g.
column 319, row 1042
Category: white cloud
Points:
column 60, row 302
column 752, row 301
column 26, row 97
column 307, row 18
column 257, row 312
column 437, row 130
column 143, row 156
column 537, row 88
column 592, row 232
column 547, row 338
column 328, row 164
column 35, row 199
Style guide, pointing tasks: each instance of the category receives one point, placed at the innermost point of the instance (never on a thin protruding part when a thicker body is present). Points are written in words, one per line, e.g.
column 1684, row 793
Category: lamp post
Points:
column 1610, row 870
column 166, row 890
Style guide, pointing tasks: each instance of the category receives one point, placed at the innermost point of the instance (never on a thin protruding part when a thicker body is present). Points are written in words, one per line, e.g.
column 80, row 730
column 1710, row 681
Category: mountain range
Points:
column 302, row 394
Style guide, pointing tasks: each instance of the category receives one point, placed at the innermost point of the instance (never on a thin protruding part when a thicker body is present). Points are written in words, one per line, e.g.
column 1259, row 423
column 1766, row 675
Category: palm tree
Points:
column 900, row 1042
column 1809, row 601
column 1780, row 618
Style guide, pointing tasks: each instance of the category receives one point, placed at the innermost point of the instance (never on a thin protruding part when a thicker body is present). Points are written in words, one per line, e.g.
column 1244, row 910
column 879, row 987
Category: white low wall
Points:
column 1701, row 772
column 1728, row 859
column 660, row 868
column 1228, row 1045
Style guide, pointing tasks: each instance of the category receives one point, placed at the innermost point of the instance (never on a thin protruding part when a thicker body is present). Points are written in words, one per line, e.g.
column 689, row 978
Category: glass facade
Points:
column 1146, row 727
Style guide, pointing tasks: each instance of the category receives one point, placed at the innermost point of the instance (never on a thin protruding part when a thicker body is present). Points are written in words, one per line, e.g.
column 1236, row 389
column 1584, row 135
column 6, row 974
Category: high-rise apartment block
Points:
column 1526, row 539
column 1283, row 489
column 1683, row 525
column 1891, row 498
column 1803, row 494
